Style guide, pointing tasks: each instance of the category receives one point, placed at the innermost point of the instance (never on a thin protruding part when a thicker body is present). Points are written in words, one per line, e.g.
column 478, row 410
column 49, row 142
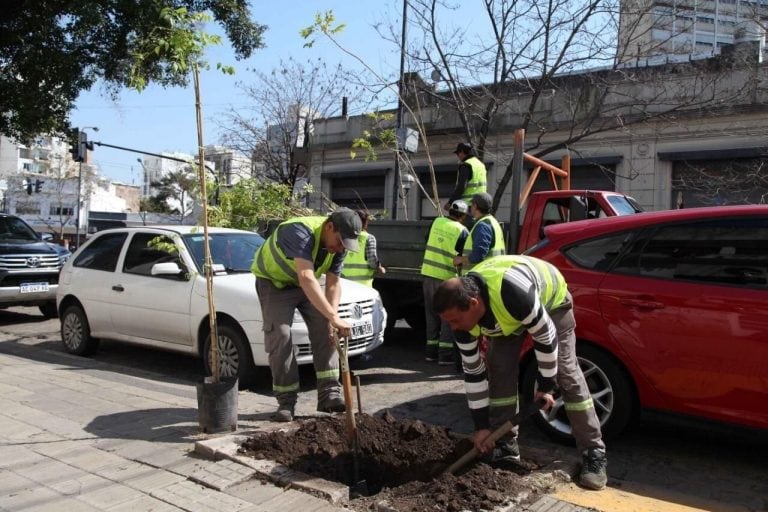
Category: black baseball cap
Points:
column 465, row 147
column 348, row 223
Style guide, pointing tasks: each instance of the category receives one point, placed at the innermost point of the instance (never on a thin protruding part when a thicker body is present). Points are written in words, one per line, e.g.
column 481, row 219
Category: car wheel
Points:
column 48, row 309
column 76, row 333
column 611, row 391
column 234, row 354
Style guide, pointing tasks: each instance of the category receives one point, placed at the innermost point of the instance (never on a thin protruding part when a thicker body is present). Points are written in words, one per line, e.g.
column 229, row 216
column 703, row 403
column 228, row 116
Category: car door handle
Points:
column 118, row 288
column 642, row 303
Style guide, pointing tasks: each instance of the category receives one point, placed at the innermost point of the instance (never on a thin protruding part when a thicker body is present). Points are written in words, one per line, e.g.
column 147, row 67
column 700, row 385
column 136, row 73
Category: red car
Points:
column 671, row 311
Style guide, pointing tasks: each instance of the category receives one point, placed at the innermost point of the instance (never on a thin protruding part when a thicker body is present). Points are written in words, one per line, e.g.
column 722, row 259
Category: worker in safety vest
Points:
column 361, row 266
column 507, row 298
column 446, row 239
column 287, row 267
column 471, row 178
column 486, row 238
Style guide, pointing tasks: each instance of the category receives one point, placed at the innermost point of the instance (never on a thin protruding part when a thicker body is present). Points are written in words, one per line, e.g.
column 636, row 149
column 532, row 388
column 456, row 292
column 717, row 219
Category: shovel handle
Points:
column 529, row 410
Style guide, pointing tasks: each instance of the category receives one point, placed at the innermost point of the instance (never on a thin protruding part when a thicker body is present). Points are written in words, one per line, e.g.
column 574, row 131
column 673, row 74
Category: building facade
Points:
column 687, row 134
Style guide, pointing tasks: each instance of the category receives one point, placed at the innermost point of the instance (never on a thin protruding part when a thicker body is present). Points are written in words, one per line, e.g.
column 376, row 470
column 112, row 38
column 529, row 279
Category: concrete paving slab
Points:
column 144, row 504
column 222, row 474
column 30, row 497
column 114, row 494
column 64, row 504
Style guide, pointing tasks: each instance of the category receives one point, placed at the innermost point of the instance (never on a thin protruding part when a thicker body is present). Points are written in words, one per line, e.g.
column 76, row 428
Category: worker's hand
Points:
column 458, row 261
column 342, row 327
column 382, row 270
column 546, row 397
column 479, row 440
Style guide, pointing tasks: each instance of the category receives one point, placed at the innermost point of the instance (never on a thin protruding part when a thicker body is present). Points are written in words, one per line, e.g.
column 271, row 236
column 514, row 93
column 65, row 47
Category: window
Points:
column 27, row 208
column 102, row 253
column 62, row 210
column 721, row 251
column 598, row 253
column 147, row 249
column 13, row 228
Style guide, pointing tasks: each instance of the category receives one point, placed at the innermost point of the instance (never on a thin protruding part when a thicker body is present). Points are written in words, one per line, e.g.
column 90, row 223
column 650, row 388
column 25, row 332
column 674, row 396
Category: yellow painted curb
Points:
column 634, row 497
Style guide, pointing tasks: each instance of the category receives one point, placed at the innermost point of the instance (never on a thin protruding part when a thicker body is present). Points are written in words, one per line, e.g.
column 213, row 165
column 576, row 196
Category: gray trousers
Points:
column 440, row 337
column 503, row 378
column 277, row 309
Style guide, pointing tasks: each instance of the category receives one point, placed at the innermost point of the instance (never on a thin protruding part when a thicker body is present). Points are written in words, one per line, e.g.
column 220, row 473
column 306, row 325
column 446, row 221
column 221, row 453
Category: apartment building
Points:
column 652, row 31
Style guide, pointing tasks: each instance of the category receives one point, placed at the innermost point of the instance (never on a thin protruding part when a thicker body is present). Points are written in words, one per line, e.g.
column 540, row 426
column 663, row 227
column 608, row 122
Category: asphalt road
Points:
column 659, row 465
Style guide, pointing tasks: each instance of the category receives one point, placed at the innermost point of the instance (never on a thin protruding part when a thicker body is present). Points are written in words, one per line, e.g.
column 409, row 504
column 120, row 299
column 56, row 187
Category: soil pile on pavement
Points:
column 400, row 460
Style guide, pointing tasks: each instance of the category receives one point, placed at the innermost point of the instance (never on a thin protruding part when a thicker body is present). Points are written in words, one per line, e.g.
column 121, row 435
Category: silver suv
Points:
column 29, row 266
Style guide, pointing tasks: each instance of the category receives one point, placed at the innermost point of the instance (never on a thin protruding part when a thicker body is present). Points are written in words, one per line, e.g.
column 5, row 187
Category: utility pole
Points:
column 399, row 119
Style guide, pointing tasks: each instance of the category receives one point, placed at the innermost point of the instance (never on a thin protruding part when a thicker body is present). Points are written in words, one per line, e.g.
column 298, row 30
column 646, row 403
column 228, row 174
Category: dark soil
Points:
column 400, row 461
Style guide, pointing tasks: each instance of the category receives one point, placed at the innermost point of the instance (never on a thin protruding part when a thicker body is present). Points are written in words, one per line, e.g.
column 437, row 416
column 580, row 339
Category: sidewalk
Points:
column 82, row 435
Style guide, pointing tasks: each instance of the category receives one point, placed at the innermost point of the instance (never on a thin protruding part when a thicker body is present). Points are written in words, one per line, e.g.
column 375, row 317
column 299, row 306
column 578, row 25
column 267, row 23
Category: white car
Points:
column 146, row 285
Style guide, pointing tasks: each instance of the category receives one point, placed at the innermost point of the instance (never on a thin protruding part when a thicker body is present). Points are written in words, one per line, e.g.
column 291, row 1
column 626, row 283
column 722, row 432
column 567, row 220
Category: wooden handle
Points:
column 497, row 434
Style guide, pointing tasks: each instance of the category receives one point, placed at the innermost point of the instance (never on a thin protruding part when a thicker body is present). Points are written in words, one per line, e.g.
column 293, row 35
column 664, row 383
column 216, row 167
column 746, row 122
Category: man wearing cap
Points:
column 471, row 178
column 486, row 238
column 446, row 239
column 287, row 267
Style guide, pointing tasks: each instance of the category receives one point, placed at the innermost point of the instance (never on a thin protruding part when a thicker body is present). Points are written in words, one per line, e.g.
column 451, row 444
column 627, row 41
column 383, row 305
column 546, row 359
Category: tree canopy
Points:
column 50, row 51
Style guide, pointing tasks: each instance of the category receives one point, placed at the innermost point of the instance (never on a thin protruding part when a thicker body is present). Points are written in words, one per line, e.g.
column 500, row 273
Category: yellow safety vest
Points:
column 477, row 181
column 356, row 264
column 441, row 248
column 498, row 248
column 269, row 262
column 550, row 285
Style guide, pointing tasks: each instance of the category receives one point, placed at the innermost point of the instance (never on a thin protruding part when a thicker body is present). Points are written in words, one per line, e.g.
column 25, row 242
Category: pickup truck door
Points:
column 151, row 307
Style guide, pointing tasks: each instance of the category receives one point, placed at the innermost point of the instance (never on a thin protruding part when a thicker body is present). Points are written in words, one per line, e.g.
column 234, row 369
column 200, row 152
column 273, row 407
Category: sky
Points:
column 163, row 120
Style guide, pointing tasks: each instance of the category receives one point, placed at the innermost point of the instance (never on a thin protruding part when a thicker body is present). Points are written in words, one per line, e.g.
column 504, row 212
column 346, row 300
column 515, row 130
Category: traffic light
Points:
column 27, row 184
column 74, row 142
column 83, row 143
column 38, row 186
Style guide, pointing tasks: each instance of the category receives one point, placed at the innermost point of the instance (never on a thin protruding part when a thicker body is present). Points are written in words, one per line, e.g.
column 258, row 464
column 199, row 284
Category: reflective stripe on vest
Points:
column 441, row 248
column 477, row 182
column 499, row 248
column 356, row 264
column 269, row 262
column 550, row 285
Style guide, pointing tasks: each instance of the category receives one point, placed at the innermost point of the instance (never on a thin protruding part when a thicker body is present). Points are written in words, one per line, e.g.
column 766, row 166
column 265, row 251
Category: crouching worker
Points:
column 287, row 267
column 505, row 298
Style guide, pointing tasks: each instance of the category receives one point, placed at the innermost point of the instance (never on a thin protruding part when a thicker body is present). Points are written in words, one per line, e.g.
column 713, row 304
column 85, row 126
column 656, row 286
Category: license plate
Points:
column 362, row 329
column 33, row 287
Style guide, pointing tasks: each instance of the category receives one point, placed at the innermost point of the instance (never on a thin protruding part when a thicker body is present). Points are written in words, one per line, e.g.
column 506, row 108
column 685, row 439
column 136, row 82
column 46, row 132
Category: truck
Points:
column 401, row 243
column 29, row 266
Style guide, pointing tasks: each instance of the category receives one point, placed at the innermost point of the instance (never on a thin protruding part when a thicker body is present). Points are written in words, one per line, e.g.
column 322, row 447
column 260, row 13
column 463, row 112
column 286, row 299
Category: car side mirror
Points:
column 170, row 268
column 46, row 237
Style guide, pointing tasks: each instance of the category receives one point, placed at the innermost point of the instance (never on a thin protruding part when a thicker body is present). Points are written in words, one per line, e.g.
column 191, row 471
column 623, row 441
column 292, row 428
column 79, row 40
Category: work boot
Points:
column 593, row 469
column 505, row 451
column 331, row 404
column 445, row 360
column 284, row 413
column 431, row 354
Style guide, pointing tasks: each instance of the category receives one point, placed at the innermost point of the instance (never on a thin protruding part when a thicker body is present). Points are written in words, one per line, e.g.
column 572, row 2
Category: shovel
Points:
column 528, row 410
column 358, row 487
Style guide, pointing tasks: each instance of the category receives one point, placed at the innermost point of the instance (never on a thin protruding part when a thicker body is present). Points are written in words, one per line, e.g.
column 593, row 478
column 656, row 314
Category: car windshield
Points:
column 12, row 228
column 233, row 250
column 624, row 205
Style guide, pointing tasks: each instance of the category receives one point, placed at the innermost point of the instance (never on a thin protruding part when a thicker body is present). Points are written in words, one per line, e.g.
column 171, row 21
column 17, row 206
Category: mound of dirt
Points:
column 401, row 461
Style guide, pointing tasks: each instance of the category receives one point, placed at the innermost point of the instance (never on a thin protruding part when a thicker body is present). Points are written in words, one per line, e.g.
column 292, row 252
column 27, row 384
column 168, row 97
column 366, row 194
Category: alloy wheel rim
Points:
column 229, row 360
column 602, row 397
column 72, row 334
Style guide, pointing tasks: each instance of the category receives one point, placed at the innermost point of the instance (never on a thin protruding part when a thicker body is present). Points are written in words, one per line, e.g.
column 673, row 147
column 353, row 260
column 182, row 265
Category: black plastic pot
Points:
column 217, row 406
